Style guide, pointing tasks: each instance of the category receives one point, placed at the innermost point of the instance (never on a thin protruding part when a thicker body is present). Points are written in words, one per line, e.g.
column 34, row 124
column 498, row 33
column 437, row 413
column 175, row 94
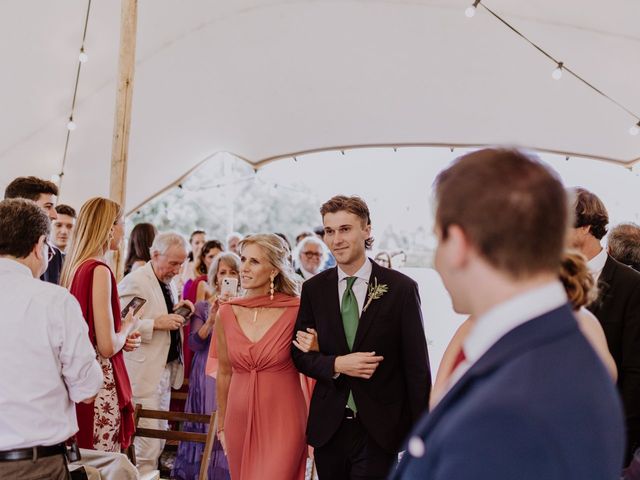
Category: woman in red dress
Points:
column 107, row 423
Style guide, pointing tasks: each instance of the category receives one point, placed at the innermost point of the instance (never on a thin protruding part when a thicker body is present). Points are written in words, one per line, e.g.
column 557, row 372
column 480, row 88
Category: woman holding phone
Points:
column 107, row 423
column 223, row 280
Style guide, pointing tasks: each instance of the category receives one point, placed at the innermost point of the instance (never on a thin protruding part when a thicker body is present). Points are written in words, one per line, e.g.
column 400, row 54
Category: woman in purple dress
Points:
column 202, row 388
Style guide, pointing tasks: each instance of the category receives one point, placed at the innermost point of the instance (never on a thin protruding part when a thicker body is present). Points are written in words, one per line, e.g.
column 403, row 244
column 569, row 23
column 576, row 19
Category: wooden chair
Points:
column 175, row 435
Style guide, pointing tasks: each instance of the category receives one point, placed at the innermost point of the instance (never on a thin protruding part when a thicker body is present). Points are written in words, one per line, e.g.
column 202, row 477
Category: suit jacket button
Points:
column 416, row 447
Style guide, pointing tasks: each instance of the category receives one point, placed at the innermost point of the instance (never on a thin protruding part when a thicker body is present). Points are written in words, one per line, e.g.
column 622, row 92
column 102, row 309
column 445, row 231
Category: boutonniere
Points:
column 376, row 290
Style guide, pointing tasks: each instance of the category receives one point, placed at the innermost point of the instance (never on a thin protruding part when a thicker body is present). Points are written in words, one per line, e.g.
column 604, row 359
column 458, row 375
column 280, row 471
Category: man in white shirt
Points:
column 528, row 398
column 48, row 362
column 617, row 306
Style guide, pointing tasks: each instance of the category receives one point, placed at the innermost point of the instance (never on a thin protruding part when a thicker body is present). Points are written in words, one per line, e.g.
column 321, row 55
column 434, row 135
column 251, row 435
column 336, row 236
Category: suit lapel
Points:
column 154, row 283
column 367, row 316
column 334, row 317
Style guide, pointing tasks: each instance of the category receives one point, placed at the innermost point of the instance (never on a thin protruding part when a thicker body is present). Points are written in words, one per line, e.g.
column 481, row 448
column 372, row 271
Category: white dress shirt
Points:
column 359, row 287
column 47, row 360
column 596, row 264
column 504, row 317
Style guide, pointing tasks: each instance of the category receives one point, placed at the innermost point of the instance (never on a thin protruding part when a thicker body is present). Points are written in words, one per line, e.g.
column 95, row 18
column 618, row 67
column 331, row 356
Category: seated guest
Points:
column 304, row 234
column 107, row 423
column 233, row 239
column 202, row 388
column 44, row 193
column 140, row 242
column 48, row 363
column 63, row 226
column 383, row 259
column 581, row 290
column 526, row 378
column 310, row 257
column 196, row 241
column 195, row 289
column 624, row 244
column 157, row 365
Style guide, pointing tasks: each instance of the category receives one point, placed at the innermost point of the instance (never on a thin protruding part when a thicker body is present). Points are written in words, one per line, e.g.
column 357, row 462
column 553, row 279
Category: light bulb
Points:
column 71, row 125
column 634, row 129
column 557, row 73
column 83, row 57
column 55, row 178
column 470, row 11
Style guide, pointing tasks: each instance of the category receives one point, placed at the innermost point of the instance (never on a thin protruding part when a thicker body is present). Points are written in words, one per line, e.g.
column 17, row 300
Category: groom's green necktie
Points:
column 350, row 317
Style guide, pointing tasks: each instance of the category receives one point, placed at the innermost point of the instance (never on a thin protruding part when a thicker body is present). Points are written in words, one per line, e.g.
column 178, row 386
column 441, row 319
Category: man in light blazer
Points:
column 157, row 365
column 528, row 398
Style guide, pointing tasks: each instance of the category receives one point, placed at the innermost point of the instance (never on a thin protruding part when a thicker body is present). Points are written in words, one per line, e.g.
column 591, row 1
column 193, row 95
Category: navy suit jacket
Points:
column 538, row 405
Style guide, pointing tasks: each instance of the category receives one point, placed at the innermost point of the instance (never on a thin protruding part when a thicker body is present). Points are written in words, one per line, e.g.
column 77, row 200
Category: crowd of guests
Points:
column 316, row 350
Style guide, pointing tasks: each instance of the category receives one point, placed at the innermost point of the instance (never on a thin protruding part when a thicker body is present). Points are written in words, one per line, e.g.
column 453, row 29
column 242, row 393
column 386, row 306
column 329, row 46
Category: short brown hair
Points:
column 66, row 210
column 590, row 211
column 30, row 188
column 511, row 207
column 577, row 280
column 22, row 223
column 624, row 244
column 354, row 205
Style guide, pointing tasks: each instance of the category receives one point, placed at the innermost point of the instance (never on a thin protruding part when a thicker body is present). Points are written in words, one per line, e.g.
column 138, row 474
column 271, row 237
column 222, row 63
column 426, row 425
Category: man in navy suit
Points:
column 528, row 398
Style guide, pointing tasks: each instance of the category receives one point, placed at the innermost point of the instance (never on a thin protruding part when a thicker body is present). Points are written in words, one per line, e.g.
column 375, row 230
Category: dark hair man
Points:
column 525, row 379
column 63, row 226
column 617, row 306
column 372, row 366
column 44, row 194
column 48, row 362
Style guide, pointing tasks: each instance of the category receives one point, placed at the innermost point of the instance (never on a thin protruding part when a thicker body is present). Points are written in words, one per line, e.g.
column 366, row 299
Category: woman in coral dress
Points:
column 261, row 406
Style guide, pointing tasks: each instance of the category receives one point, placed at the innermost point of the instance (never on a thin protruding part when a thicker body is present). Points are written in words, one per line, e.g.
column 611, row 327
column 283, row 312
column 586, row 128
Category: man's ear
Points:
column 38, row 249
column 459, row 247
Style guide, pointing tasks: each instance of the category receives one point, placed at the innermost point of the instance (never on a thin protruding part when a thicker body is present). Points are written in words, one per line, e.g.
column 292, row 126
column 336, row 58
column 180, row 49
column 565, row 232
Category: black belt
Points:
column 32, row 453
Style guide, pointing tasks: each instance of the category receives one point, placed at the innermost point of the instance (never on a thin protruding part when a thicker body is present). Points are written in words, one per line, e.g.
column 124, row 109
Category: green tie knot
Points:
column 350, row 282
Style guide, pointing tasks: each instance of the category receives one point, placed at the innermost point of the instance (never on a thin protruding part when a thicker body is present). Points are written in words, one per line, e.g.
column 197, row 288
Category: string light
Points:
column 56, row 178
column 83, row 57
column 557, row 73
column 560, row 66
column 470, row 12
column 71, row 125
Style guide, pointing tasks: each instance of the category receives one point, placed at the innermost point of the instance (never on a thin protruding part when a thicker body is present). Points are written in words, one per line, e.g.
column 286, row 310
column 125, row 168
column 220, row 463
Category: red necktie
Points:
column 459, row 359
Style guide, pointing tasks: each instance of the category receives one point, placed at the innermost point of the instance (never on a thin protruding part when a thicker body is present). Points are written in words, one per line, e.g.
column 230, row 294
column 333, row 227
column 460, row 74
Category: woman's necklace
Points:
column 255, row 314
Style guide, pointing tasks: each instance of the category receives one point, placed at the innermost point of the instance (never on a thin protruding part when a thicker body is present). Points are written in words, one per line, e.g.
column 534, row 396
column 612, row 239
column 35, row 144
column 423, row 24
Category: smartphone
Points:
column 183, row 311
column 136, row 303
column 229, row 286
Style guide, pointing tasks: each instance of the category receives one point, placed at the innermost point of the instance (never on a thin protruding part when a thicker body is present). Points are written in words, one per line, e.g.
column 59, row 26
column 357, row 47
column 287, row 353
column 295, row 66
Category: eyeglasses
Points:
column 311, row 255
column 50, row 251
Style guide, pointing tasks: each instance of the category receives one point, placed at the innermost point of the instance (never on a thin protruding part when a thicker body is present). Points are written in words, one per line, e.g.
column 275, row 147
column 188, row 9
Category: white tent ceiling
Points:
column 264, row 79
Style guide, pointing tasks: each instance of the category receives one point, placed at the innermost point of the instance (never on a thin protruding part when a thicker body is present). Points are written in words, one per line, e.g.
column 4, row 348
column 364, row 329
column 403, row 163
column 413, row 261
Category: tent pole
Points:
column 122, row 121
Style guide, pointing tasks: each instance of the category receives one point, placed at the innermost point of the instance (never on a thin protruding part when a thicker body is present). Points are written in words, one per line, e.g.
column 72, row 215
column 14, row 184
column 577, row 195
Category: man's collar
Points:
column 14, row 266
column 596, row 264
column 364, row 272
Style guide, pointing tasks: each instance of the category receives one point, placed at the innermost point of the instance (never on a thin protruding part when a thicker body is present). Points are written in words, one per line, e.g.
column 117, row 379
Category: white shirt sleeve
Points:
column 80, row 370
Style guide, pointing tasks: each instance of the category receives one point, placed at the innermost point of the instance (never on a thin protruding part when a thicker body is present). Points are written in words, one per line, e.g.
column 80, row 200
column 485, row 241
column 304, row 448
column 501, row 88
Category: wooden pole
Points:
column 122, row 121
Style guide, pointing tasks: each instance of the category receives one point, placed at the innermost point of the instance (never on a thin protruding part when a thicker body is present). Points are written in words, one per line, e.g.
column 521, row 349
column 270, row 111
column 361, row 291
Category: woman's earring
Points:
column 271, row 288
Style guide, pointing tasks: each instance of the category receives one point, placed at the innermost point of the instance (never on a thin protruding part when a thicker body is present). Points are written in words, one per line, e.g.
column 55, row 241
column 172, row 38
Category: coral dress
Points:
column 107, row 423
column 266, row 411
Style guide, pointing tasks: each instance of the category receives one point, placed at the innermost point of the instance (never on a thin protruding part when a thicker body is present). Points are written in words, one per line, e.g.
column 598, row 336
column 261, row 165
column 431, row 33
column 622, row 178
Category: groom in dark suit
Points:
column 372, row 366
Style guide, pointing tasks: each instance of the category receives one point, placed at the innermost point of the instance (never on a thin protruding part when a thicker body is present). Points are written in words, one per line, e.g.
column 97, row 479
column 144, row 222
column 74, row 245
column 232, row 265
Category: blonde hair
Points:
column 577, row 279
column 277, row 253
column 91, row 235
